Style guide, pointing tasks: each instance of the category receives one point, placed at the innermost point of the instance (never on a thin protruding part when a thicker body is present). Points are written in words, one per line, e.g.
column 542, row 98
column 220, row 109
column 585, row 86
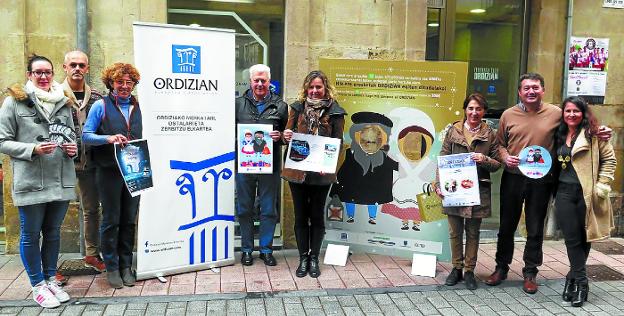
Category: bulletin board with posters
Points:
column 397, row 115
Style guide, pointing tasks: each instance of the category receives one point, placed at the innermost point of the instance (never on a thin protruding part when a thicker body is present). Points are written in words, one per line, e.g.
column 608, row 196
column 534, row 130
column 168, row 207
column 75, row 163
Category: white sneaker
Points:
column 44, row 297
column 57, row 290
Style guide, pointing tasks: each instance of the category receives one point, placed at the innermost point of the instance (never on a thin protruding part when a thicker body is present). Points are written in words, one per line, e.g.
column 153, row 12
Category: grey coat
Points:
column 36, row 179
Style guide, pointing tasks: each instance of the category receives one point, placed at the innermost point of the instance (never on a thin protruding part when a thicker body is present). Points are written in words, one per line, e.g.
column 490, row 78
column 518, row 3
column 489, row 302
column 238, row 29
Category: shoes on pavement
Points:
column 268, row 259
column 44, row 297
column 530, row 284
column 246, row 258
column 454, row 277
column 304, row 266
column 569, row 289
column 114, row 279
column 94, row 262
column 497, row 277
column 580, row 295
column 57, row 290
column 470, row 281
column 60, row 279
column 315, row 269
column 127, row 277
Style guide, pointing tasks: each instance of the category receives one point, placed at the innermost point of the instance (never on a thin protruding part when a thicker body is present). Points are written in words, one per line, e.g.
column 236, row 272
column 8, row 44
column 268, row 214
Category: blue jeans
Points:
column 266, row 186
column 372, row 210
column 119, row 211
column 44, row 220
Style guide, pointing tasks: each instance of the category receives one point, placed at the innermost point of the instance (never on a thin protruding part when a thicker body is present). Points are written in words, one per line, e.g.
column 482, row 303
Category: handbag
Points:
column 429, row 205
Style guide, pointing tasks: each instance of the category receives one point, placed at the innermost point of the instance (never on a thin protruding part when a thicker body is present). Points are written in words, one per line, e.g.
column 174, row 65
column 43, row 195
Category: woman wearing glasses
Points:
column 36, row 132
column 116, row 118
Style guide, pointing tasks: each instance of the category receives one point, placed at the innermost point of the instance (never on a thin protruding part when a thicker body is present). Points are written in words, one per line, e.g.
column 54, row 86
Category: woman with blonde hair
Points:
column 316, row 112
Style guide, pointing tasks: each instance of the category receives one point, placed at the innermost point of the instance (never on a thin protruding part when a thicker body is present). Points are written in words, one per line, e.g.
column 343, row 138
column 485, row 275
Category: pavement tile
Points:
column 207, row 279
column 384, row 262
column 347, row 301
column 156, row 309
column 398, row 277
column 181, row 289
column 232, row 287
column 353, row 311
column 283, row 285
column 16, row 294
column 331, row 283
column 176, row 312
column 332, row 308
column 307, row 283
column 115, row 309
column 310, row 302
column 184, row 278
column 294, row 309
column 368, row 270
column 360, row 257
column 128, row 291
column 12, row 269
column 155, row 288
column 328, row 273
column 216, row 307
column 100, row 288
column 207, row 288
column 71, row 310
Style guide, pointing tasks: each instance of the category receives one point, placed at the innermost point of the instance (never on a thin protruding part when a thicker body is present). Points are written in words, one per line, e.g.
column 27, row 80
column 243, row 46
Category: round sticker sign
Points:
column 535, row 161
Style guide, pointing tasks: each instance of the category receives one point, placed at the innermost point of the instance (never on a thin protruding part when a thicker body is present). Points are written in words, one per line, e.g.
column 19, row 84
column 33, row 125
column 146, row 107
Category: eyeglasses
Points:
column 79, row 65
column 128, row 83
column 39, row 73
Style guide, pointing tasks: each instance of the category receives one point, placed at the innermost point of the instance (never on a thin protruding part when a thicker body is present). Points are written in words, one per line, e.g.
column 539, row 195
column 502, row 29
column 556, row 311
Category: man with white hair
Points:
column 258, row 105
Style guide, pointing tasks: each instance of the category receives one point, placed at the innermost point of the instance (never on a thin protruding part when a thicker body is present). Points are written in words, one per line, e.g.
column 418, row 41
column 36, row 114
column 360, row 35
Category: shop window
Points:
column 490, row 36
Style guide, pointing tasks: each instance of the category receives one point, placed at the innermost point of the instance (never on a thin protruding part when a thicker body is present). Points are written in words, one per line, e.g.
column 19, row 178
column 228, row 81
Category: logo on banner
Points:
column 186, row 59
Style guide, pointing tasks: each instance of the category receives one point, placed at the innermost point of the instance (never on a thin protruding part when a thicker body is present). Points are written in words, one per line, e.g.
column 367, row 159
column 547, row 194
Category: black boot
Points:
column 454, row 277
column 315, row 269
column 304, row 266
column 580, row 296
column 568, row 290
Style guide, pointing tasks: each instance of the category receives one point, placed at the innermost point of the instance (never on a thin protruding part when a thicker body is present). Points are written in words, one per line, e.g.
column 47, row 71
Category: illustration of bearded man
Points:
column 365, row 177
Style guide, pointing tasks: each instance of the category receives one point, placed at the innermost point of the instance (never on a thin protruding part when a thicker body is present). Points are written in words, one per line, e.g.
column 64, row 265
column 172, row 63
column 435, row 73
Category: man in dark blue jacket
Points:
column 259, row 105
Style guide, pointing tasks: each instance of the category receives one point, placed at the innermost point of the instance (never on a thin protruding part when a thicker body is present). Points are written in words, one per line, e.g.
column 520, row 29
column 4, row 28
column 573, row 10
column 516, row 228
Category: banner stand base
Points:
column 183, row 269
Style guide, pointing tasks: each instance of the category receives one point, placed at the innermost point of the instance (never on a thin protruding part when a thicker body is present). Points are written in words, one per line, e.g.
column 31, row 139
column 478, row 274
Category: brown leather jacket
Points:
column 484, row 142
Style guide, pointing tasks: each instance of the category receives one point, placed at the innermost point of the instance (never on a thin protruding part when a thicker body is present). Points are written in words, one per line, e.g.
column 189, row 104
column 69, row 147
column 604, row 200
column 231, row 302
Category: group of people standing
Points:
column 315, row 112
column 47, row 168
column 60, row 139
column 583, row 167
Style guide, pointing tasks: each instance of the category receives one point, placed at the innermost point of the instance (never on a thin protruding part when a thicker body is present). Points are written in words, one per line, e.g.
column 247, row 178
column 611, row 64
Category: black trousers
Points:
column 119, row 212
column 309, row 204
column 570, row 210
column 517, row 190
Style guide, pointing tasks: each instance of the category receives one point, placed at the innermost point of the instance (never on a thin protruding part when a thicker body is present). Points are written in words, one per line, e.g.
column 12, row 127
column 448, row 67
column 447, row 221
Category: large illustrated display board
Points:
column 186, row 94
column 397, row 113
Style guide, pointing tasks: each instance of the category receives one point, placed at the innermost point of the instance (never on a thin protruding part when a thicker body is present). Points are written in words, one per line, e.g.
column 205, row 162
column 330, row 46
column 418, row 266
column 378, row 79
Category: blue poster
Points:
column 134, row 163
column 535, row 161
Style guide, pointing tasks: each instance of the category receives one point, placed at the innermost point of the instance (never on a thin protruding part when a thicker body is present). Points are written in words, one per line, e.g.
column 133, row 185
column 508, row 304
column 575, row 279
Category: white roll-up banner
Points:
column 186, row 96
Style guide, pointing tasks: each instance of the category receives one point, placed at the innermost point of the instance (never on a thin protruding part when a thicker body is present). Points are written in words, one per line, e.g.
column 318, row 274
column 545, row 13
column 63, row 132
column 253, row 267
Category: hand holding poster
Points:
column 313, row 153
column 134, row 163
column 459, row 180
column 255, row 148
column 535, row 161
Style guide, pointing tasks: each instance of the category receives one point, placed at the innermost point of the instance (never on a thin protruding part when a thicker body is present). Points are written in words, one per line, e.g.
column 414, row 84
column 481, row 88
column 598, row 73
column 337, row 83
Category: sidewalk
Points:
column 363, row 274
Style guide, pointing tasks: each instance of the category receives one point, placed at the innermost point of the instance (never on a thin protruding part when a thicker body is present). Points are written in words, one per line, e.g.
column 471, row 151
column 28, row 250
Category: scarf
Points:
column 313, row 111
column 46, row 100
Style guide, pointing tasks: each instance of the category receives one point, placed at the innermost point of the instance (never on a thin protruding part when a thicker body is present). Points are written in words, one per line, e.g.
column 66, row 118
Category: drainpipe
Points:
column 566, row 69
column 81, row 26
column 551, row 225
column 83, row 45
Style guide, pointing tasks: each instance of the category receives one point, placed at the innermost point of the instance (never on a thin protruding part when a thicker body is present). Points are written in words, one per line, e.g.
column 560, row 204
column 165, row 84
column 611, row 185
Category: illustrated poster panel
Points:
column 255, row 148
column 312, row 153
column 133, row 161
column 459, row 181
column 398, row 111
column 588, row 66
column 186, row 222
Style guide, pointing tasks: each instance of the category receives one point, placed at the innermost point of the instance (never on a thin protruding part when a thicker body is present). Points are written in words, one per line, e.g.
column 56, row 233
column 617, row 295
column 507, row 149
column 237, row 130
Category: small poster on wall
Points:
column 255, row 148
column 588, row 64
column 616, row 4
